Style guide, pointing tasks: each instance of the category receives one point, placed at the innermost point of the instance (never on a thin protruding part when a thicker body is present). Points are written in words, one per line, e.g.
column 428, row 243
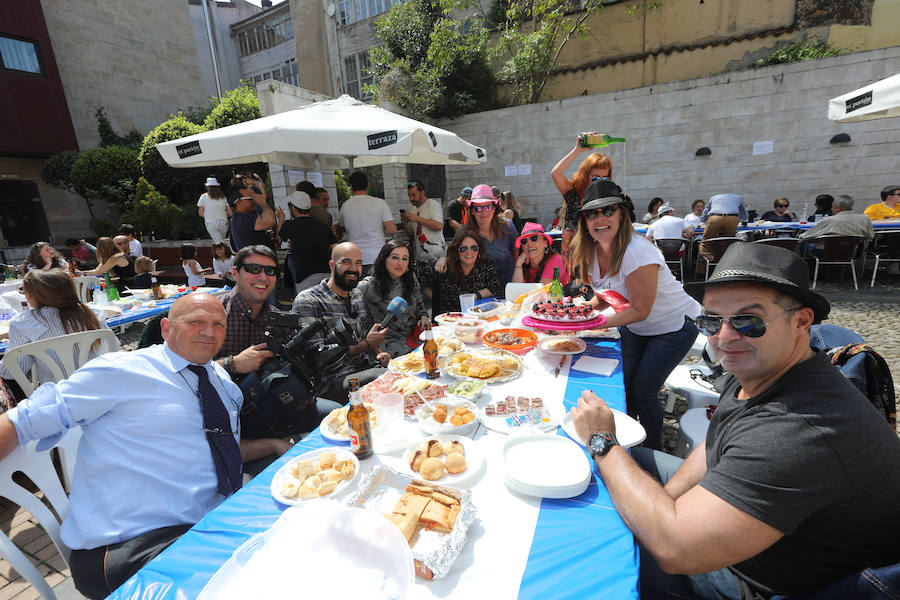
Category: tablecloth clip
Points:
column 246, row 550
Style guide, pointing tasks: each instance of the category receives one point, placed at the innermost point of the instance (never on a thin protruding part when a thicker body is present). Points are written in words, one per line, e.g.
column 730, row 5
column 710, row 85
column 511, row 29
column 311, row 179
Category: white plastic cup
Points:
column 466, row 302
column 388, row 411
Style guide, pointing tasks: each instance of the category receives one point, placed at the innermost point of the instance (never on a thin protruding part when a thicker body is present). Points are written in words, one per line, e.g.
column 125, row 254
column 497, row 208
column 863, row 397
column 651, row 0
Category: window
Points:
column 351, row 11
column 20, row 55
column 276, row 74
column 261, row 36
column 357, row 73
column 289, row 73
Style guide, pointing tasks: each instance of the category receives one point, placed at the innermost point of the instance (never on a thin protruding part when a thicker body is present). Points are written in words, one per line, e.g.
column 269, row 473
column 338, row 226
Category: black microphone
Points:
column 395, row 308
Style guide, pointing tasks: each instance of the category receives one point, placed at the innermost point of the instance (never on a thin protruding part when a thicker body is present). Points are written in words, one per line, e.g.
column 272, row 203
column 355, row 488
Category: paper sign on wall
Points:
column 524, row 169
column 315, row 177
column 763, row 147
column 511, row 171
column 295, row 177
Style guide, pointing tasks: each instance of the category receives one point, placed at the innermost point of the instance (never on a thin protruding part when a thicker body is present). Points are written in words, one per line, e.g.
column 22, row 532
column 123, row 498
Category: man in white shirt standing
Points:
column 365, row 219
column 424, row 224
column 134, row 246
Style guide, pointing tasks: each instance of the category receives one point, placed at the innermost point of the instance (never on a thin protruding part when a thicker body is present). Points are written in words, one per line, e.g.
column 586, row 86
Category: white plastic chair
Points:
column 691, row 431
column 84, row 286
column 38, row 467
column 514, row 290
column 63, row 361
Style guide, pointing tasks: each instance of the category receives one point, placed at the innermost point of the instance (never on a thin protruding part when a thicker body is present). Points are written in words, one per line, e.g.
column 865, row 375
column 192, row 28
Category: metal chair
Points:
column 788, row 243
column 84, row 286
column 881, row 255
column 673, row 251
column 38, row 467
column 836, row 250
column 57, row 355
column 715, row 248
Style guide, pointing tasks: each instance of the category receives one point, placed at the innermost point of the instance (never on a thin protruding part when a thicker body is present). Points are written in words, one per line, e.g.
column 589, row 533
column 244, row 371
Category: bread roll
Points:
column 415, row 461
column 454, row 446
column 432, row 448
column 456, row 463
column 432, row 469
column 326, row 459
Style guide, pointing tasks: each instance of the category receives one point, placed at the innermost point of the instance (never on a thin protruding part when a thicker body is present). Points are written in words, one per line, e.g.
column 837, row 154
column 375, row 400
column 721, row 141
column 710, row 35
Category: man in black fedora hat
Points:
column 797, row 484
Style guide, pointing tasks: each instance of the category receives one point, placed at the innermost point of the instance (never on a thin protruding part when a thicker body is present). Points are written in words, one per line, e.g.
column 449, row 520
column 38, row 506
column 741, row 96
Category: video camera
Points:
column 278, row 393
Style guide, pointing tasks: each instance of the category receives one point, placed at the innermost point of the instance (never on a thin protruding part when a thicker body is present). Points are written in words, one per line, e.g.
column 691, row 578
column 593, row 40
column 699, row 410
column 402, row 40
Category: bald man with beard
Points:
column 159, row 446
column 339, row 297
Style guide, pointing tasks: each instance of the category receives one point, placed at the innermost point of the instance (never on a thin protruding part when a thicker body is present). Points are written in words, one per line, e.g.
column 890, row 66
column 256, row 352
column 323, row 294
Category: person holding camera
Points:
column 252, row 215
column 245, row 350
column 339, row 297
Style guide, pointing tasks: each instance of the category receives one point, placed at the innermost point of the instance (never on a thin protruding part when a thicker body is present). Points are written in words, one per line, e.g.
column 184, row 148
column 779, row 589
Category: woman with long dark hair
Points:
column 657, row 328
column 392, row 276
column 56, row 311
column 468, row 271
column 537, row 258
column 42, row 255
column 111, row 260
column 652, row 210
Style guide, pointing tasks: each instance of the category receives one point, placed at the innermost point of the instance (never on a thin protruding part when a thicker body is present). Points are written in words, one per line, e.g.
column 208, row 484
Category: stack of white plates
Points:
column 546, row 466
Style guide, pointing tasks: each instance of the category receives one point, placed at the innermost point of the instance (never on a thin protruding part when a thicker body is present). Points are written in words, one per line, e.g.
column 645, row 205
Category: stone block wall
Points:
column 666, row 124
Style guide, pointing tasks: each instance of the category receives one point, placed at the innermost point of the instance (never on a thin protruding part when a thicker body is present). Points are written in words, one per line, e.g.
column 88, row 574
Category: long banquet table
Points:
column 518, row 546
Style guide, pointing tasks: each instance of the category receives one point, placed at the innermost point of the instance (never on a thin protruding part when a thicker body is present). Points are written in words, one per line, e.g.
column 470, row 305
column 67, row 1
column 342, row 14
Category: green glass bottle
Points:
column 111, row 292
column 556, row 288
column 598, row 140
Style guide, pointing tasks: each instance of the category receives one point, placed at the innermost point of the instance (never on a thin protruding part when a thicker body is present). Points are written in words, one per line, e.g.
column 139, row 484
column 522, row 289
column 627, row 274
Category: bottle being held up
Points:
column 597, row 140
column 556, row 288
column 358, row 423
column 430, row 350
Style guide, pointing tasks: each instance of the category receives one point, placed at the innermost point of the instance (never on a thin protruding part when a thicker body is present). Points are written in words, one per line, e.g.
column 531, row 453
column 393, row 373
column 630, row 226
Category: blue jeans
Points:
column 656, row 584
column 646, row 362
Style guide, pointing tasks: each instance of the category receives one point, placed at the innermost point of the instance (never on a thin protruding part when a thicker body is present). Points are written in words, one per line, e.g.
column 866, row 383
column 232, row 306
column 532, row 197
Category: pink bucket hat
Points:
column 530, row 229
column 482, row 193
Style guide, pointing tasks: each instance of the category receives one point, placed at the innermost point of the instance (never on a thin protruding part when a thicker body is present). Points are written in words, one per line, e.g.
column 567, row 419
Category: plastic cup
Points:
column 466, row 302
column 388, row 412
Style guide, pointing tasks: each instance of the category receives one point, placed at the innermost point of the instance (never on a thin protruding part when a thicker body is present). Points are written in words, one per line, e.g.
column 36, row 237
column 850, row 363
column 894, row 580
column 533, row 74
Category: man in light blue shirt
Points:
column 722, row 215
column 145, row 471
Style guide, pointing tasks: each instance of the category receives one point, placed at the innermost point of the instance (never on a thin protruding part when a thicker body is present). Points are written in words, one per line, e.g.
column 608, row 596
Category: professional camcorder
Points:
column 277, row 395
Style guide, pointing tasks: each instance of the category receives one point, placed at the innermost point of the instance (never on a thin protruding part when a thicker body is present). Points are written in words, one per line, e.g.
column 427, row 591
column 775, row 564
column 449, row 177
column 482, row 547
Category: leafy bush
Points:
column 152, row 213
column 156, row 170
column 342, row 187
column 239, row 105
column 109, row 137
column 106, row 174
column 805, row 49
column 57, row 169
column 102, row 227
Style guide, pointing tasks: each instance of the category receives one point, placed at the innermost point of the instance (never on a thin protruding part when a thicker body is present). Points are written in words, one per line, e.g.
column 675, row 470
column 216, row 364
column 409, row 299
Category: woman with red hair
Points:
column 596, row 165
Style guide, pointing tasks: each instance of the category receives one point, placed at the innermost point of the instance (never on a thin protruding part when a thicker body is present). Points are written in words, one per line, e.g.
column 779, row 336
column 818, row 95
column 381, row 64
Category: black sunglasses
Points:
column 606, row 211
column 254, row 269
column 782, row 205
column 531, row 238
column 747, row 325
column 472, row 248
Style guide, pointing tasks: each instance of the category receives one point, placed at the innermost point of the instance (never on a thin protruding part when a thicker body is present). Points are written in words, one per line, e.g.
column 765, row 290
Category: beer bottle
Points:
column 154, row 287
column 111, row 292
column 430, row 350
column 597, row 140
column 358, row 423
column 556, row 288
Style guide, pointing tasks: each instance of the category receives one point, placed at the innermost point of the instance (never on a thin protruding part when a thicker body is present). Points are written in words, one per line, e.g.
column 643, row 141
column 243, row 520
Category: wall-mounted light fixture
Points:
column 841, row 138
column 704, row 151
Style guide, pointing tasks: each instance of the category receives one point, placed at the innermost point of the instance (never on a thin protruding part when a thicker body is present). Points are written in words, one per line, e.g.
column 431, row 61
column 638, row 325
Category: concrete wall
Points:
column 140, row 64
column 315, row 42
column 222, row 15
column 666, row 124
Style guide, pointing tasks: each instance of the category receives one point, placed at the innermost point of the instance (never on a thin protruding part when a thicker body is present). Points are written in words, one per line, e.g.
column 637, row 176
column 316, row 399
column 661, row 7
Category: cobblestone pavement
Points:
column 871, row 313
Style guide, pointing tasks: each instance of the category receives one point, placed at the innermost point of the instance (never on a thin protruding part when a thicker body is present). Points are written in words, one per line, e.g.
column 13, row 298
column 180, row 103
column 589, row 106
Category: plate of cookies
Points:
column 322, row 473
column 448, row 415
column 444, row 459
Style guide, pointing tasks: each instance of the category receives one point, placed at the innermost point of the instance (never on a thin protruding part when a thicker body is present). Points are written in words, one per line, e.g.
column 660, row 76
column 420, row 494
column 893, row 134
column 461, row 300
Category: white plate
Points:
column 334, row 437
column 546, row 343
column 499, row 424
column 474, row 460
column 283, row 475
column 430, row 426
column 546, row 466
column 628, row 431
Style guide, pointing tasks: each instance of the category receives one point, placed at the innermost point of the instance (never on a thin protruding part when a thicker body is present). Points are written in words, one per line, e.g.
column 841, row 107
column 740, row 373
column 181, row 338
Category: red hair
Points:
column 582, row 177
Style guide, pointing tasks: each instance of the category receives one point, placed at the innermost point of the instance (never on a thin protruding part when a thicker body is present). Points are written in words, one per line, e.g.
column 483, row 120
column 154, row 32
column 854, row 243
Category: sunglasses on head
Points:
column 483, row 207
column 472, row 248
column 531, row 238
column 254, row 269
column 412, row 184
column 750, row 326
column 606, row 211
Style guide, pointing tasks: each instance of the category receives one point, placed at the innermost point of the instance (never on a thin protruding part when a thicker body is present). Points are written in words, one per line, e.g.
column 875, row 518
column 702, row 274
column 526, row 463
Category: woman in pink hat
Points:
column 498, row 235
column 537, row 259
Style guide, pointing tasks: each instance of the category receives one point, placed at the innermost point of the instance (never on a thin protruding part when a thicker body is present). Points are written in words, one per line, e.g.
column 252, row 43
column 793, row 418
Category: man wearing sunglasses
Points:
column 252, row 215
column 796, row 486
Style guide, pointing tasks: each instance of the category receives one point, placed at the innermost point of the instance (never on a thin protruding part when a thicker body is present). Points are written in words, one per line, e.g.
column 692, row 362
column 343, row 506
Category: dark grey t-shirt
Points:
column 812, row 458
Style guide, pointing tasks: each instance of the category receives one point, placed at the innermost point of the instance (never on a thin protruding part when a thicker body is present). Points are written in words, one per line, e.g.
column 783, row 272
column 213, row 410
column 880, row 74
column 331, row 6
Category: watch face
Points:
column 600, row 443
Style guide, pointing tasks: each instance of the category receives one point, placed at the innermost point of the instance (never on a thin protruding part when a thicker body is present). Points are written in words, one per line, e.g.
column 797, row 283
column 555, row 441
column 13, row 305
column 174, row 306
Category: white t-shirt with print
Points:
column 363, row 217
column 434, row 246
column 672, row 304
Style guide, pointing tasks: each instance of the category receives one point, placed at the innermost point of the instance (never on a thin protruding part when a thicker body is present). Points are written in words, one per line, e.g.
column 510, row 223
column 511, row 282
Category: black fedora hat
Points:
column 601, row 193
column 765, row 265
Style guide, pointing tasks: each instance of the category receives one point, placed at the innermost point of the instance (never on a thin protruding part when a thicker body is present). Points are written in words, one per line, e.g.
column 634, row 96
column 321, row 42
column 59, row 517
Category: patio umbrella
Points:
column 874, row 101
column 335, row 134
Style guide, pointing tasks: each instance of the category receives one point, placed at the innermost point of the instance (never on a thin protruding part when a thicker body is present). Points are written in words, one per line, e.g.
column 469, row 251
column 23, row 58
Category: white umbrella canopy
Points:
column 875, row 101
column 324, row 136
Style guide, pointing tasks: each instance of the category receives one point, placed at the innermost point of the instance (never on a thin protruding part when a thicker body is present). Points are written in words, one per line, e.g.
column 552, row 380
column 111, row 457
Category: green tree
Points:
column 432, row 65
column 109, row 137
column 106, row 174
column 342, row 187
column 156, row 170
column 152, row 213
column 57, row 171
column 239, row 105
column 803, row 49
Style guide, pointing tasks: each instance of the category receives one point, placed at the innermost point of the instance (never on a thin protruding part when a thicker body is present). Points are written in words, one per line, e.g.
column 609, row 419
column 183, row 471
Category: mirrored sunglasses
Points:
column 464, row 249
column 606, row 211
column 254, row 269
column 750, row 326
column 531, row 238
column 483, row 207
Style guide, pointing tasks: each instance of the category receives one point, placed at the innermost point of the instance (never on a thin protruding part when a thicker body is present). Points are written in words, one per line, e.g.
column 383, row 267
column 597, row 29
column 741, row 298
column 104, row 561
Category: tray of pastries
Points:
column 490, row 365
